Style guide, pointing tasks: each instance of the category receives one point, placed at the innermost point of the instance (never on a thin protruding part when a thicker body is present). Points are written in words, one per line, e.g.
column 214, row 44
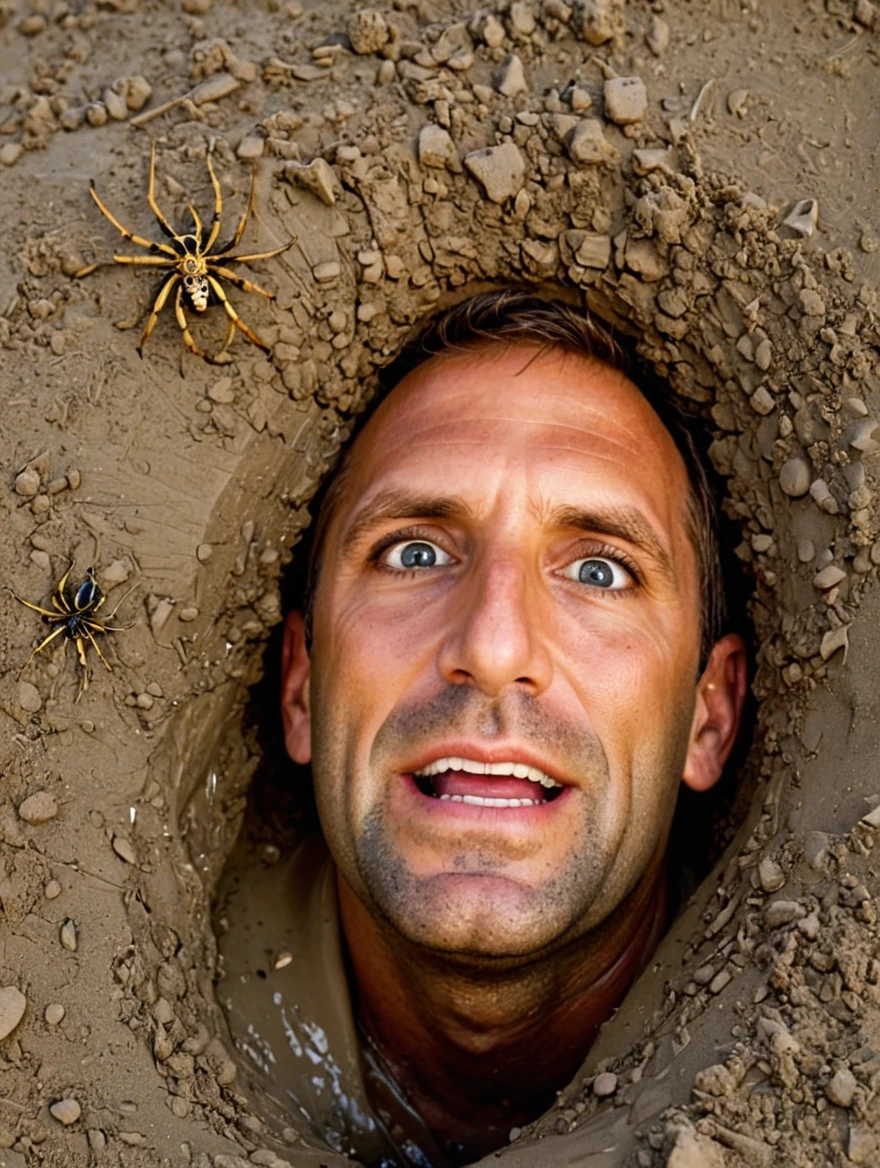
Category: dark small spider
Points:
column 194, row 267
column 74, row 615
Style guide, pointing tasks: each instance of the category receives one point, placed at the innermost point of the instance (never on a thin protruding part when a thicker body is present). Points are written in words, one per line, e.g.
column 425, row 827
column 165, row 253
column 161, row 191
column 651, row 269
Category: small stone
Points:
column 811, row 302
column 12, row 1007
column 66, row 1111
column 10, row 152
column 594, row 251
column 491, row 31
column 155, row 690
column 41, row 505
column 737, row 102
column 810, row 926
column 196, row 7
column 29, row 697
column 96, row 113
column 588, row 145
column 190, row 613
column 770, row 876
column 318, row 176
column 794, row 477
column 762, row 401
column 499, row 169
column 860, row 435
column 251, row 147
column 74, row 479
column 833, row 641
column 719, row 981
column 604, row 1085
column 144, row 701
column 626, row 100
column 829, row 577
column 52, row 889
column 841, row 1088
column 324, row 273
column 115, row 103
column 511, row 78
column 30, row 26
column 802, row 219
column 283, row 959
column 657, row 38
column 124, row 850
column 597, row 21
column 27, row 483
column 821, row 494
column 866, row 13
column 204, row 552
column 436, row 147
column 783, row 912
column 862, row 1144
column 54, row 1013
column 67, row 936
column 806, row 550
column 38, row 808
column 368, row 31
column 222, row 392
column 137, row 92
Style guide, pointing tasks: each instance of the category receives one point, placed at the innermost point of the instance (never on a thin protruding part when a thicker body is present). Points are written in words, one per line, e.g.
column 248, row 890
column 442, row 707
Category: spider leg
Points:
column 149, row 244
column 151, row 196
column 184, row 327
column 53, row 616
column 157, row 308
column 240, row 281
column 197, row 224
column 218, row 204
column 88, row 632
column 247, row 259
column 242, row 223
column 110, row 615
column 45, row 641
column 233, row 315
column 156, row 261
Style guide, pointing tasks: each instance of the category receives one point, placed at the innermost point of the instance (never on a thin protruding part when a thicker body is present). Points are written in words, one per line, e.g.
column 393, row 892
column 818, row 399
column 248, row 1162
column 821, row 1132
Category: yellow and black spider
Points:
column 74, row 616
column 194, row 269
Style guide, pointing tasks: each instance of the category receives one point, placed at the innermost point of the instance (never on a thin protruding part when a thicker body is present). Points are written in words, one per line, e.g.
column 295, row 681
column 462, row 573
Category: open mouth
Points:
column 486, row 784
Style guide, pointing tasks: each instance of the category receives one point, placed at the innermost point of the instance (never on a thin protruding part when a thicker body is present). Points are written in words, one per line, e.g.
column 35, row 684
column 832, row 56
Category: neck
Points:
column 478, row 1049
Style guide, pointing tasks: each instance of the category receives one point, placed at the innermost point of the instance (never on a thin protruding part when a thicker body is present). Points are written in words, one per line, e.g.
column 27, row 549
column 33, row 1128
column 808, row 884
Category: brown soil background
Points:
column 754, row 1038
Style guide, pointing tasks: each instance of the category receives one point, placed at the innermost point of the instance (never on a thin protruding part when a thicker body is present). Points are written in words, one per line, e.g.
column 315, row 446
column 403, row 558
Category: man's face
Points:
column 508, row 593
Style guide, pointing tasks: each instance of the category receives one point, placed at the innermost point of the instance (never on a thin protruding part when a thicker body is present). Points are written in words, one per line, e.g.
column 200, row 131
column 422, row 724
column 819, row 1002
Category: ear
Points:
column 295, row 704
column 721, row 694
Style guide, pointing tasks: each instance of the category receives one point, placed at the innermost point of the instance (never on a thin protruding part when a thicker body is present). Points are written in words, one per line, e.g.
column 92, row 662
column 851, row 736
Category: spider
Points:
column 194, row 267
column 74, row 616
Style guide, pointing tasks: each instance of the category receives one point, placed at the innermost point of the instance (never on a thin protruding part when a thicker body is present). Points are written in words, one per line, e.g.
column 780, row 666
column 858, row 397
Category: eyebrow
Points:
column 396, row 503
column 617, row 522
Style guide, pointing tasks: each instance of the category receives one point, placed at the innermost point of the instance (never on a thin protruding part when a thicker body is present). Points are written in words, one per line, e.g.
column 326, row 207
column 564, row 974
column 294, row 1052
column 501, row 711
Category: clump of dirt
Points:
column 696, row 176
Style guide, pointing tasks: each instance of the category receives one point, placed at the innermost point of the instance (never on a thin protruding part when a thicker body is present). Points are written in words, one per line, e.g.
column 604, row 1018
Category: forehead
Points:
column 517, row 418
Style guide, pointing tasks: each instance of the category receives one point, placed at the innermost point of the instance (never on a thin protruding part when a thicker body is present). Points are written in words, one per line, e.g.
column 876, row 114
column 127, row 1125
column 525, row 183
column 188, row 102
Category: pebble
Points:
column 326, row 272
column 74, row 479
column 367, row 31
column 54, row 1013
column 283, row 959
column 499, row 169
column 52, row 889
column 222, row 392
column 841, row 1088
column 10, row 152
column 604, row 1084
column 770, row 876
column 66, row 1111
column 29, row 697
column 811, row 302
column 96, row 113
column 511, row 78
column 27, row 483
column 580, row 100
column 657, row 37
column 204, row 552
column 116, row 105
column 626, row 100
column 491, row 31
column 829, row 577
column 596, row 20
column 12, row 1008
column 783, row 912
column 862, row 1145
column 38, row 808
column 41, row 505
column 68, row 935
column 32, row 25
column 436, row 147
column 190, row 613
column 123, row 848
column 803, row 218
column 762, row 401
column 196, row 7
column 588, row 145
column 794, row 477
column 737, row 102
column 136, row 90
column 860, row 435
column 821, row 494
column 251, row 147
column 833, row 641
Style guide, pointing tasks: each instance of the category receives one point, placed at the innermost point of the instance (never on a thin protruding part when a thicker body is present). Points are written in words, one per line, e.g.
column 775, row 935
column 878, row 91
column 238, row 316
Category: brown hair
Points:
column 510, row 316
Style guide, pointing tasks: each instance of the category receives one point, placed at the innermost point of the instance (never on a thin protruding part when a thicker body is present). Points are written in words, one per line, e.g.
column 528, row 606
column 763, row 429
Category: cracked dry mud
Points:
column 704, row 174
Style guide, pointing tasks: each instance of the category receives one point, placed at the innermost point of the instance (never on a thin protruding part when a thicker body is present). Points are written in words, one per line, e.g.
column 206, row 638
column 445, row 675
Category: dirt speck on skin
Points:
column 699, row 178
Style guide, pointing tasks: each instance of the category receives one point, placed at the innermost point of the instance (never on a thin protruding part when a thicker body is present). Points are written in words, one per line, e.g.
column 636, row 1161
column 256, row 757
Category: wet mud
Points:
column 702, row 175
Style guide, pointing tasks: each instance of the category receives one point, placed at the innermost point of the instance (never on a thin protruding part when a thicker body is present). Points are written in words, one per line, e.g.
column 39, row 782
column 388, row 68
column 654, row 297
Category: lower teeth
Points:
column 481, row 801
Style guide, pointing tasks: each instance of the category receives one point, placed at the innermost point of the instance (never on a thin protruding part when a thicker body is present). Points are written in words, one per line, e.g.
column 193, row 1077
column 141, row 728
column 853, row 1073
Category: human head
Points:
column 524, row 453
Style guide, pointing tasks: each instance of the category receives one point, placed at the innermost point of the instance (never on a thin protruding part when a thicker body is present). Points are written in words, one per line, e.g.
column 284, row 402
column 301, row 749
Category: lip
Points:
column 510, row 752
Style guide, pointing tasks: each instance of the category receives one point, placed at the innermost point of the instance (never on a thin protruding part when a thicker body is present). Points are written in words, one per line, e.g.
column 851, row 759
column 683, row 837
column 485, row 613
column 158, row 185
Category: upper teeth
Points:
column 517, row 770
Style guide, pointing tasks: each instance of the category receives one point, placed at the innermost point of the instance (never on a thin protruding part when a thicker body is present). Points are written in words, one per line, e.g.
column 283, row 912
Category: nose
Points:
column 497, row 636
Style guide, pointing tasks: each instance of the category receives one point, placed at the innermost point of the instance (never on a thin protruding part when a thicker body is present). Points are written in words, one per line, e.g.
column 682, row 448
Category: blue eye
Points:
column 599, row 573
column 416, row 554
